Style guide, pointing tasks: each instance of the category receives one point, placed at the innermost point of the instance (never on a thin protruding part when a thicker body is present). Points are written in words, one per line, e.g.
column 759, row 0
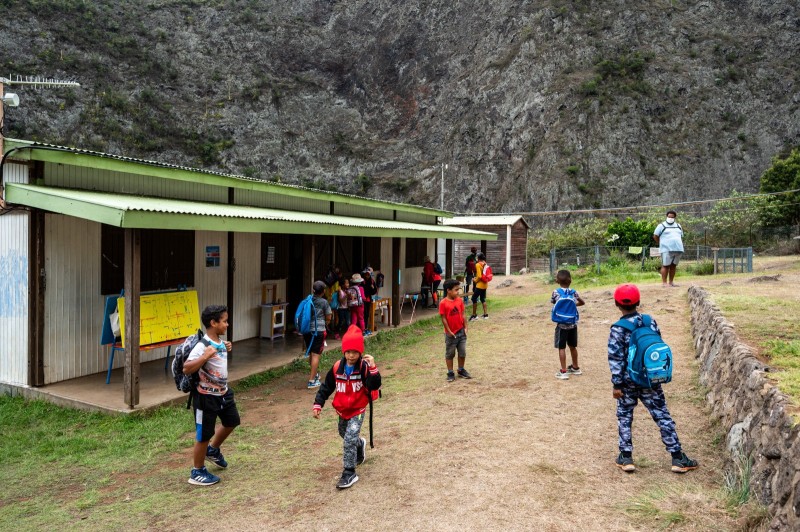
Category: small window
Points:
column 167, row 259
column 416, row 249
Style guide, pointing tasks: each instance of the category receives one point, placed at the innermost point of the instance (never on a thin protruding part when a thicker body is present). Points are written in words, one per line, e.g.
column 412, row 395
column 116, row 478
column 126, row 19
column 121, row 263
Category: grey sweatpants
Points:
column 350, row 431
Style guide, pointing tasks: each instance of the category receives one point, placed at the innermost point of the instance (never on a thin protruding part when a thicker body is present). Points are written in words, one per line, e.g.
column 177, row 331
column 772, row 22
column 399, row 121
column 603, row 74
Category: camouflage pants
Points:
column 653, row 400
column 350, row 431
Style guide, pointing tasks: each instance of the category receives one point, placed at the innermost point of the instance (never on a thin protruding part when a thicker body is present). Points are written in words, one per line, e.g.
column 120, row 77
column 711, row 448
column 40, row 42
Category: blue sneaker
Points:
column 215, row 456
column 201, row 477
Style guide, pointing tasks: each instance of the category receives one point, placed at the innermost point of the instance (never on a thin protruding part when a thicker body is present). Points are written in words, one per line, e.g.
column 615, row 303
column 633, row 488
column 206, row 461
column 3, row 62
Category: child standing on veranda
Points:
column 355, row 296
column 451, row 309
column 352, row 378
column 628, row 394
column 566, row 334
column 344, row 308
column 212, row 399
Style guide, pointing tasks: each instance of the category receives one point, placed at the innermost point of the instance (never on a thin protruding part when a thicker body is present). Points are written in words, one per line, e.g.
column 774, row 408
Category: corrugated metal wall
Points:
column 73, row 304
column 15, row 173
column 247, row 286
column 58, row 175
column 210, row 283
column 361, row 211
column 276, row 201
column 14, row 297
column 416, row 218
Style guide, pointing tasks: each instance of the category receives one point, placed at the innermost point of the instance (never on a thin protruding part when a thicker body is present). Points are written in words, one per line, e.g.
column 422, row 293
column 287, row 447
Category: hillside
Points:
column 534, row 105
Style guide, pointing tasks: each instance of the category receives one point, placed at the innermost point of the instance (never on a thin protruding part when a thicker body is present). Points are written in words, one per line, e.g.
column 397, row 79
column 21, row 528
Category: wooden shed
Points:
column 507, row 254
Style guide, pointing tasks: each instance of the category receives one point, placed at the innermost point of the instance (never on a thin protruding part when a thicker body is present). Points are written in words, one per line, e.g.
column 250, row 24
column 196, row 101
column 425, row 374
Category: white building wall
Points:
column 210, row 283
column 247, row 286
column 73, row 302
column 14, row 297
column 15, row 173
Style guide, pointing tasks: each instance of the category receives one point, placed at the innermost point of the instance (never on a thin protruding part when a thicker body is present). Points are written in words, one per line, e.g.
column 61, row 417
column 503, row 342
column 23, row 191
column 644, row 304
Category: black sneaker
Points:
column 361, row 451
column 464, row 374
column 473, row 317
column 683, row 464
column 626, row 463
column 486, row 316
column 348, row 479
column 451, row 376
column 215, row 456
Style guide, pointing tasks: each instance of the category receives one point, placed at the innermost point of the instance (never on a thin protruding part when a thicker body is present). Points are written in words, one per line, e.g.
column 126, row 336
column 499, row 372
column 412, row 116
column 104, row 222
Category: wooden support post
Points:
column 133, row 265
column 36, row 285
column 483, row 249
column 396, row 281
column 229, row 287
column 308, row 264
column 448, row 246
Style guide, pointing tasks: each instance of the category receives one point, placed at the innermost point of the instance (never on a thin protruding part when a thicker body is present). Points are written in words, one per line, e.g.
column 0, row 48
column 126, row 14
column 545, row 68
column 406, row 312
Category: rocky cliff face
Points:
column 533, row 105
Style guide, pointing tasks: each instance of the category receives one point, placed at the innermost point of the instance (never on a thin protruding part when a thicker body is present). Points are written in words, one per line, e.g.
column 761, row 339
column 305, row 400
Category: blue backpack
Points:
column 649, row 358
column 305, row 319
column 335, row 300
column 565, row 310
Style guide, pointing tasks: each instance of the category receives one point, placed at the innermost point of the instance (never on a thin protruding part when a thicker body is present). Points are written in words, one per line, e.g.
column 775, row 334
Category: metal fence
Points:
column 726, row 260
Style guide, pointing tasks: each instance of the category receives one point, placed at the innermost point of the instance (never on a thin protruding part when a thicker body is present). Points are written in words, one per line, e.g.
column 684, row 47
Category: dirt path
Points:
column 512, row 448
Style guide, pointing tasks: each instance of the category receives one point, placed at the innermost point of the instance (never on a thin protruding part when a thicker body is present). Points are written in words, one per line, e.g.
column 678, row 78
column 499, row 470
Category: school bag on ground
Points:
column 565, row 309
column 183, row 382
column 373, row 394
column 486, row 274
column 649, row 358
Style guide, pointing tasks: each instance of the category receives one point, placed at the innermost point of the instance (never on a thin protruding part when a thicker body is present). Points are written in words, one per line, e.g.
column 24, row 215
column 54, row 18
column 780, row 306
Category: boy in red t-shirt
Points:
column 451, row 309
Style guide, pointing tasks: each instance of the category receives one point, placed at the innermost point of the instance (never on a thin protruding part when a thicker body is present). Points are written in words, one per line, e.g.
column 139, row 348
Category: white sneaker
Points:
column 574, row 371
column 563, row 376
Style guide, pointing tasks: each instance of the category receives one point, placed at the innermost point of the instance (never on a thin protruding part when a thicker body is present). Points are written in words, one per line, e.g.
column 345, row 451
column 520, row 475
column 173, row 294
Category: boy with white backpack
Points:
column 565, row 315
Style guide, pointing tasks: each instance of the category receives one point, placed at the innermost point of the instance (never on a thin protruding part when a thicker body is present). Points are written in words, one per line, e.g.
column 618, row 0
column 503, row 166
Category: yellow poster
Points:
column 164, row 317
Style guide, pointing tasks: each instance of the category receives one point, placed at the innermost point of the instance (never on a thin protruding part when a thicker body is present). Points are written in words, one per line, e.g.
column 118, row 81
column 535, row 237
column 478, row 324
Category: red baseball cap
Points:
column 627, row 294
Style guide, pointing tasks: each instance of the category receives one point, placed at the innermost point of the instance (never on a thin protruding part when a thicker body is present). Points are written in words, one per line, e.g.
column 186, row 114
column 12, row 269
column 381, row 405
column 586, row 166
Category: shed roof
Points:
column 509, row 219
column 36, row 151
column 138, row 212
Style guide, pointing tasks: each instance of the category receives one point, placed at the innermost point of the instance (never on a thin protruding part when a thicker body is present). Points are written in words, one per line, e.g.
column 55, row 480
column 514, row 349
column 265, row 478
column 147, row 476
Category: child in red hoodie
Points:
column 352, row 378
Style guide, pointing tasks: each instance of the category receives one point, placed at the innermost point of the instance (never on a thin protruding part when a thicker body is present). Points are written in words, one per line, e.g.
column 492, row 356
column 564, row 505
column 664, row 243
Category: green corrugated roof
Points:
column 90, row 159
column 138, row 212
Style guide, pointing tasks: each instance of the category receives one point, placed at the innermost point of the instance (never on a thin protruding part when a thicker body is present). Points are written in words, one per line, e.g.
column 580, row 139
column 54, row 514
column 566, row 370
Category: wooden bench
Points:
column 379, row 305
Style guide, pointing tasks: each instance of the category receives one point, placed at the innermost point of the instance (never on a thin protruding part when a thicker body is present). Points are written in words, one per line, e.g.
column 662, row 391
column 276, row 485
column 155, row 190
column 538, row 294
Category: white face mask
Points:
column 670, row 220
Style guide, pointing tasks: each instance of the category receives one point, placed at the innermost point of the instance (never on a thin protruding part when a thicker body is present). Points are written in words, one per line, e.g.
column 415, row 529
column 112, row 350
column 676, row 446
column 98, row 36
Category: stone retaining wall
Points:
column 752, row 411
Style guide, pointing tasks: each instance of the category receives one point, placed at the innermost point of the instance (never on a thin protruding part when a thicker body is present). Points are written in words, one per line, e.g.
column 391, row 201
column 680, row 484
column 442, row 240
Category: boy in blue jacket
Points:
column 628, row 394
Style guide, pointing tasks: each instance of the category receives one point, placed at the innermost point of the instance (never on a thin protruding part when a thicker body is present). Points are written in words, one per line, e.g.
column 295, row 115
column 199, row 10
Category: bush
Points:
column 703, row 267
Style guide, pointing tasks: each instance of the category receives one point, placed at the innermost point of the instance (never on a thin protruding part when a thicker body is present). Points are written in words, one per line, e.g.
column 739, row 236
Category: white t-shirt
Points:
column 670, row 237
column 214, row 373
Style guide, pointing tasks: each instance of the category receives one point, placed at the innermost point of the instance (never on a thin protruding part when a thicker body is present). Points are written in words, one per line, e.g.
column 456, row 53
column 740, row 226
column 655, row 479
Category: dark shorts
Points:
column 566, row 337
column 207, row 408
column 317, row 344
column 479, row 293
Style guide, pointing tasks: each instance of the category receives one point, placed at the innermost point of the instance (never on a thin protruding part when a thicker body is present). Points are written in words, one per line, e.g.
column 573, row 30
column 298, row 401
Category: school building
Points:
column 506, row 254
column 78, row 226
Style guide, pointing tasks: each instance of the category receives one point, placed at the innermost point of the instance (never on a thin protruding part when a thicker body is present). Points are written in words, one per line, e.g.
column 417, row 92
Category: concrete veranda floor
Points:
column 157, row 386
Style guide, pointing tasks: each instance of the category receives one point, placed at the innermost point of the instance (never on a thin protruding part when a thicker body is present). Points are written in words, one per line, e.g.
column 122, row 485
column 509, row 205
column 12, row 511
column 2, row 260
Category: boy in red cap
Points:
column 352, row 378
column 628, row 394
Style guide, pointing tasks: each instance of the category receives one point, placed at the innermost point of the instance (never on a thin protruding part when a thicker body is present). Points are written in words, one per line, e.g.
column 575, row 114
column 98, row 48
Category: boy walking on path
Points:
column 565, row 315
column 479, row 292
column 322, row 315
column 212, row 399
column 451, row 309
column 353, row 378
column 627, row 393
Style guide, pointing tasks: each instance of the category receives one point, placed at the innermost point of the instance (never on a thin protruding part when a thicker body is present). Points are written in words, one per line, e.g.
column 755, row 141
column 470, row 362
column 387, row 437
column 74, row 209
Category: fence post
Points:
column 749, row 260
column 715, row 250
column 552, row 262
column 597, row 258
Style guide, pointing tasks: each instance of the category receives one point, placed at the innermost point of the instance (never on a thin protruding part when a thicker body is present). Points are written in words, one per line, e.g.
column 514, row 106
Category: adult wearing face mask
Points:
column 669, row 237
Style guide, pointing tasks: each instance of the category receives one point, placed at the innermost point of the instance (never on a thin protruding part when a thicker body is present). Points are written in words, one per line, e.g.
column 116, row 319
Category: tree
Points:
column 732, row 221
column 630, row 232
column 784, row 174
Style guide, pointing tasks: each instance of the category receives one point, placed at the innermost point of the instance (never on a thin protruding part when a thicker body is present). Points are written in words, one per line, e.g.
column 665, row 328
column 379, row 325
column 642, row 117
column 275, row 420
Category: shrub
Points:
column 703, row 267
